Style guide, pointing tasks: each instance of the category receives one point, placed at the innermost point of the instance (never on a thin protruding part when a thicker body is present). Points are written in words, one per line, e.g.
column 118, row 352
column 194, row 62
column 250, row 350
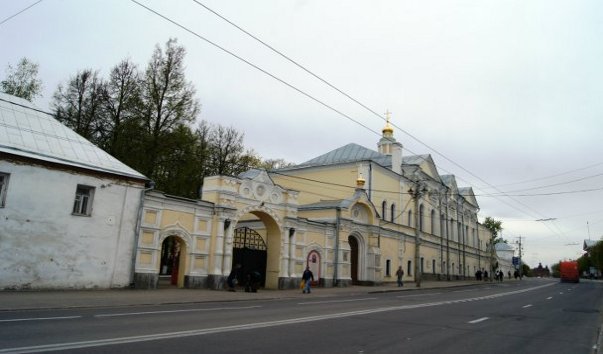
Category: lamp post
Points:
column 419, row 191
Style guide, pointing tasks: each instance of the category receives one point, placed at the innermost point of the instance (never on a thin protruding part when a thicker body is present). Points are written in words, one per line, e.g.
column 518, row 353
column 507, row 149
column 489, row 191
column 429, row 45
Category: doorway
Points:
column 250, row 251
column 353, row 259
column 170, row 267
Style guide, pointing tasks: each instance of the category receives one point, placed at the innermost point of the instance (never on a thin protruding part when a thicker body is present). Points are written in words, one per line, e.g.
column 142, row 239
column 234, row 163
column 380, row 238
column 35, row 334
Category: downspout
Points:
column 337, row 227
column 137, row 230
column 370, row 180
column 447, row 241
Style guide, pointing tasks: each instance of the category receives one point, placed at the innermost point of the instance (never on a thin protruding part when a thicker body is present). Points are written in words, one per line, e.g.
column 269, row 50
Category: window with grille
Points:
column 83, row 200
column 3, row 188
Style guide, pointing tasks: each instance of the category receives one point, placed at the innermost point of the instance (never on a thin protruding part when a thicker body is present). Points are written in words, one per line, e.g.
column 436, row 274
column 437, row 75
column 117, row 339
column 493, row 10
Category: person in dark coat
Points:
column 308, row 278
column 231, row 281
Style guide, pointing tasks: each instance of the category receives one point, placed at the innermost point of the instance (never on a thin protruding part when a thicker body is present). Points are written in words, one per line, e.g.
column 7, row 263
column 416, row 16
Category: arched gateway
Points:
column 253, row 222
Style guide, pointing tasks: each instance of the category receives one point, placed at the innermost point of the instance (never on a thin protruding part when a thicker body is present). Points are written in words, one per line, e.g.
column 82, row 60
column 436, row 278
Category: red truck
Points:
column 569, row 272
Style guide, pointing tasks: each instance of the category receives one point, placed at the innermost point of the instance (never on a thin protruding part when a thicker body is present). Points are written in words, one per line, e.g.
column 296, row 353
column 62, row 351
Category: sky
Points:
column 505, row 95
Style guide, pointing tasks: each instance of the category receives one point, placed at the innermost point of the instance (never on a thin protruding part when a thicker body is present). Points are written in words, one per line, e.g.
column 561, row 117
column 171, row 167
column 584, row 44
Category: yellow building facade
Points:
column 353, row 215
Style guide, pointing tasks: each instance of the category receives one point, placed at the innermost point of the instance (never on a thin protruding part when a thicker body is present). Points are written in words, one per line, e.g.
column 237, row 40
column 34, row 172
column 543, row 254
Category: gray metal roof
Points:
column 348, row 153
column 27, row 131
column 414, row 159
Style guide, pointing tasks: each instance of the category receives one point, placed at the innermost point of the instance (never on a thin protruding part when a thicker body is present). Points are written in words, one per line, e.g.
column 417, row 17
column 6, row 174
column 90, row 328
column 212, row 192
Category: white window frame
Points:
column 4, row 177
column 84, row 197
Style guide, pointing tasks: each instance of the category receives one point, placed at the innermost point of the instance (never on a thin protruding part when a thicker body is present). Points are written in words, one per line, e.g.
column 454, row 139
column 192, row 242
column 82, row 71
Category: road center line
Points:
column 174, row 311
column 335, row 301
column 550, row 297
column 526, row 306
column 248, row 326
column 40, row 319
column 479, row 320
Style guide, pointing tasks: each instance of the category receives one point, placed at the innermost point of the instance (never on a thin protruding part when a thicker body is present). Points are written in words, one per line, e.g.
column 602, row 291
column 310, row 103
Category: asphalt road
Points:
column 534, row 316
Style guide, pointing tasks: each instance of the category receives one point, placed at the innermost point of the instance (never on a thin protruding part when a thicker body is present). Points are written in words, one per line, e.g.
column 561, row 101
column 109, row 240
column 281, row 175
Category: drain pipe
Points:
column 137, row 230
column 337, row 227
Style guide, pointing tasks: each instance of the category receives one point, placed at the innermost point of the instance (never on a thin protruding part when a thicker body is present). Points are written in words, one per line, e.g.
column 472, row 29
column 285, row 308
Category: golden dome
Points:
column 388, row 127
column 360, row 181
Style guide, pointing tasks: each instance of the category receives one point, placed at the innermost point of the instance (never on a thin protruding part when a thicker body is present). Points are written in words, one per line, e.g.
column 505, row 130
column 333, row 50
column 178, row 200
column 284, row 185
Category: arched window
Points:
column 393, row 212
column 451, row 229
column 410, row 218
column 422, row 265
column 432, row 222
column 409, row 268
column 383, row 210
column 433, row 265
column 421, row 208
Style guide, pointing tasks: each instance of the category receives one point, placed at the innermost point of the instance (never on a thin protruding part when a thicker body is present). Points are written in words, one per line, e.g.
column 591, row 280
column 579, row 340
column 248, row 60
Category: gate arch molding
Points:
column 186, row 241
column 274, row 240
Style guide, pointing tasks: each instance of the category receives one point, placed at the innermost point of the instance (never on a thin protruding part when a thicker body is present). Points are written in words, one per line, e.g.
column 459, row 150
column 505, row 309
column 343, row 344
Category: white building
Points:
column 504, row 257
column 68, row 210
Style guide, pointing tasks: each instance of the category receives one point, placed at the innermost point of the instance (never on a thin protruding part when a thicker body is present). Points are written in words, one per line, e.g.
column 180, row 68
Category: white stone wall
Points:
column 43, row 246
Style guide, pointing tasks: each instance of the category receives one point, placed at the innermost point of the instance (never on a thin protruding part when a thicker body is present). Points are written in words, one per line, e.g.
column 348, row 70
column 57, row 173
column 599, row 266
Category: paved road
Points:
column 538, row 316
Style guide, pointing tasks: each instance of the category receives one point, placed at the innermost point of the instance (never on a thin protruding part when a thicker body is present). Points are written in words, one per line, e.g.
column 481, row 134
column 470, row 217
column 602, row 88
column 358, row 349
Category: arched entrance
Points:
column 249, row 250
column 313, row 261
column 353, row 258
column 263, row 223
column 172, row 264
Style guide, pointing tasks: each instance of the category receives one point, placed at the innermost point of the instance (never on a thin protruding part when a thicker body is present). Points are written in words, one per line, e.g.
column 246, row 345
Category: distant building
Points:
column 68, row 210
column 541, row 271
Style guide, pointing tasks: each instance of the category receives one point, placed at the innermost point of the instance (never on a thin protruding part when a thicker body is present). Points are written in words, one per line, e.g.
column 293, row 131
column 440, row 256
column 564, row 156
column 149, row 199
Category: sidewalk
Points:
column 63, row 299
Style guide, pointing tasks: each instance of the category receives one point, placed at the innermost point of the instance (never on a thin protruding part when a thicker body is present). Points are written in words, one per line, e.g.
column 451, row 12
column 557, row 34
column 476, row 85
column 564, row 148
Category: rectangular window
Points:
column 3, row 188
column 83, row 200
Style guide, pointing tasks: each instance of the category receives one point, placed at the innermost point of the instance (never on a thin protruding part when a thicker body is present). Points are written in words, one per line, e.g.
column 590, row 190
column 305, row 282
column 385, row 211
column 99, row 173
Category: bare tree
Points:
column 79, row 104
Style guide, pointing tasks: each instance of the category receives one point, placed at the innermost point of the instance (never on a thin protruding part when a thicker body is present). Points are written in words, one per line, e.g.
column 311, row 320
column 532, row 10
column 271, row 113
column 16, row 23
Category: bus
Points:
column 569, row 272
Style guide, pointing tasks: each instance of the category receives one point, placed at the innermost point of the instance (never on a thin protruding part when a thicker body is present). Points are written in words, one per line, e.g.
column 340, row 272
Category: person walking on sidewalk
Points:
column 400, row 274
column 308, row 278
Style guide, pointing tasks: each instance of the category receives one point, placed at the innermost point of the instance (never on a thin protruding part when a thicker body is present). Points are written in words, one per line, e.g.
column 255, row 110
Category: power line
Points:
column 362, row 105
column 20, row 12
column 326, row 105
column 255, row 66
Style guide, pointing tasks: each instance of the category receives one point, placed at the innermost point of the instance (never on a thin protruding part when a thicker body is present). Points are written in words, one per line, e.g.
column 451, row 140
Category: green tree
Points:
column 169, row 102
column 22, row 80
column 526, row 270
column 495, row 226
column 596, row 255
column 555, row 272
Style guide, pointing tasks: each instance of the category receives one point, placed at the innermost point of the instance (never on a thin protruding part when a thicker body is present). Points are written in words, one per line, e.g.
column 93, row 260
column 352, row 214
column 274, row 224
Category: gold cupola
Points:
column 360, row 181
column 388, row 130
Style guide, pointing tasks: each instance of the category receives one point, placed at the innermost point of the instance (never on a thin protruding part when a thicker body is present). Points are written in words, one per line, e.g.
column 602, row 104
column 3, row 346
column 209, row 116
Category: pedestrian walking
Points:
column 400, row 274
column 308, row 278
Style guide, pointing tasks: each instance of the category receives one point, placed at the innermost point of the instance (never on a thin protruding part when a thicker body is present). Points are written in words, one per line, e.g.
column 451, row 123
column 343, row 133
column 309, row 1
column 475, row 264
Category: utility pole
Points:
column 416, row 194
column 520, row 262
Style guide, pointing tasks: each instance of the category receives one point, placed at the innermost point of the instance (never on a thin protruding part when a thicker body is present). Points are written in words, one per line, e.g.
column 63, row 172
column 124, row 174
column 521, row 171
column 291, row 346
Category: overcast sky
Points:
column 510, row 91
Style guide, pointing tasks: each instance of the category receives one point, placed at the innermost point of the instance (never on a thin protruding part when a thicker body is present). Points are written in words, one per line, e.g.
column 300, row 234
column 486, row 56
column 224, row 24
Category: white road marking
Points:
column 561, row 293
column 174, row 311
column 462, row 291
column 526, row 306
column 479, row 320
column 248, row 326
column 335, row 301
column 550, row 297
column 416, row 295
column 40, row 319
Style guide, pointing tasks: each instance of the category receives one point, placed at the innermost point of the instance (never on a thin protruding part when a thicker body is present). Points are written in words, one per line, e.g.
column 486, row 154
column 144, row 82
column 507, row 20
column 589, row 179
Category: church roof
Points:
column 27, row 131
column 414, row 159
column 348, row 153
